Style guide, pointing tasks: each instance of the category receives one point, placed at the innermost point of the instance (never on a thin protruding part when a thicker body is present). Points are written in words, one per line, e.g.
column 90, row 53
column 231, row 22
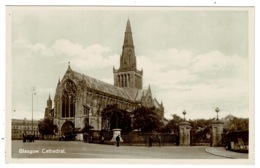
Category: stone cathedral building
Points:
column 80, row 99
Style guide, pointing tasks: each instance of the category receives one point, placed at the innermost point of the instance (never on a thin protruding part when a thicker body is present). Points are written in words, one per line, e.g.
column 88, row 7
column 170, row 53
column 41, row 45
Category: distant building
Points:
column 80, row 99
column 49, row 110
column 19, row 127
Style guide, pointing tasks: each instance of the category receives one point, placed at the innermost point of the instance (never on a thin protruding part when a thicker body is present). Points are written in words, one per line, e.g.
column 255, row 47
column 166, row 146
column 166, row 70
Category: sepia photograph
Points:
column 149, row 84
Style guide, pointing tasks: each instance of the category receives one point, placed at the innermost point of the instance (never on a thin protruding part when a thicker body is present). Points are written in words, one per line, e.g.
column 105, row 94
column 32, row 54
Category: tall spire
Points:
column 128, row 59
column 127, row 75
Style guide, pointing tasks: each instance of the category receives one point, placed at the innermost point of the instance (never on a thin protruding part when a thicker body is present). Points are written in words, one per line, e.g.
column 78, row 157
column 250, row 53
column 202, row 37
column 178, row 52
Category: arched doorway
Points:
column 67, row 128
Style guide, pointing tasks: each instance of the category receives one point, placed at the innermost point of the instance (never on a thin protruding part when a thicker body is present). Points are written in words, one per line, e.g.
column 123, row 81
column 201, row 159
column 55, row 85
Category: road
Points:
column 78, row 149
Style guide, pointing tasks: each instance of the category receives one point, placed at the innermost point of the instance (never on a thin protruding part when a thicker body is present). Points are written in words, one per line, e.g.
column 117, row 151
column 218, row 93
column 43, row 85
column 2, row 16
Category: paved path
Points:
column 221, row 151
column 77, row 149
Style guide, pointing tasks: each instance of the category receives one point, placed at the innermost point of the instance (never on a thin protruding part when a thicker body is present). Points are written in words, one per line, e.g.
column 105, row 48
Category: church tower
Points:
column 127, row 75
column 48, row 109
column 49, row 103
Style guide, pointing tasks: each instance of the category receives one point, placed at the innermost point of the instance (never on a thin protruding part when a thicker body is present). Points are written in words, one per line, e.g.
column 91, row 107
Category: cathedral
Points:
column 80, row 99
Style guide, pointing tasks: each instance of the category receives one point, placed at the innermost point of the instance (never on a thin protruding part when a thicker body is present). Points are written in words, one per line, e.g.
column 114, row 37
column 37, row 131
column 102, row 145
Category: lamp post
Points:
column 217, row 110
column 184, row 113
column 33, row 93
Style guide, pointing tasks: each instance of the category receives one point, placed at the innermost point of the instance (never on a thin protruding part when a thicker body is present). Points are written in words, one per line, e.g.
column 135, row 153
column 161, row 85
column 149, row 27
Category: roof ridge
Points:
column 97, row 79
column 128, row 94
column 108, row 88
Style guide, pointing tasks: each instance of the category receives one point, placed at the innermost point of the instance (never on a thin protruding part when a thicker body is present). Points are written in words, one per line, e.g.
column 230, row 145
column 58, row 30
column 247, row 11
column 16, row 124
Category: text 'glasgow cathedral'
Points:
column 80, row 99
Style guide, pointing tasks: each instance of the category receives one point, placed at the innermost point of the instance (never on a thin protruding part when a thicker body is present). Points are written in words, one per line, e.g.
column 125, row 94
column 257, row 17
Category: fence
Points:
column 136, row 138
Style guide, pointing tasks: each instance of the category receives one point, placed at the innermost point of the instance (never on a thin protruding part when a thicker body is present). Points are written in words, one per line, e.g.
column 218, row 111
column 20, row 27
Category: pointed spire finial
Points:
column 49, row 96
column 59, row 81
column 69, row 68
column 128, row 26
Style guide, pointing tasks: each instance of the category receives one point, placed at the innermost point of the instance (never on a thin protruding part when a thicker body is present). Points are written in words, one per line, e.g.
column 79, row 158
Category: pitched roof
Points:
column 140, row 93
column 156, row 103
column 92, row 83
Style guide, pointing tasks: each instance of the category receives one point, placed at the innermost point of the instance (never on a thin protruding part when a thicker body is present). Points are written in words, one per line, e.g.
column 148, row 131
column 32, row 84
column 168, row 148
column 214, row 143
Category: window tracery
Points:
column 69, row 99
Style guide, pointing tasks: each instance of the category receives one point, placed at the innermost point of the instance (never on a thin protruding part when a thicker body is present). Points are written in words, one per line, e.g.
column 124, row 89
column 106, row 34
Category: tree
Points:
column 46, row 127
column 146, row 119
column 173, row 125
column 233, row 123
column 200, row 132
column 113, row 117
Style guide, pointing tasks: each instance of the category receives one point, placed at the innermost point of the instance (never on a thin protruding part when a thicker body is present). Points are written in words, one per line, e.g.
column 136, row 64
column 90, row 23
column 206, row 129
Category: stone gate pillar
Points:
column 116, row 132
column 184, row 134
column 216, row 133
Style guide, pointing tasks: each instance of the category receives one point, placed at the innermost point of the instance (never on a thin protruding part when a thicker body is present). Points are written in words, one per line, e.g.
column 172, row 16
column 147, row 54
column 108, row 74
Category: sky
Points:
column 194, row 60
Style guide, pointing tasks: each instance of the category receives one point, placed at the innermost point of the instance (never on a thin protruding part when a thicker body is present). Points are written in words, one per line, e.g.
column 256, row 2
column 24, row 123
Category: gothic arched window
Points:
column 69, row 99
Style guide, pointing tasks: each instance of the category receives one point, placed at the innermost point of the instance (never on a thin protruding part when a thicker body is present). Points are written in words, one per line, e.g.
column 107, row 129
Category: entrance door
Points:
column 67, row 128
